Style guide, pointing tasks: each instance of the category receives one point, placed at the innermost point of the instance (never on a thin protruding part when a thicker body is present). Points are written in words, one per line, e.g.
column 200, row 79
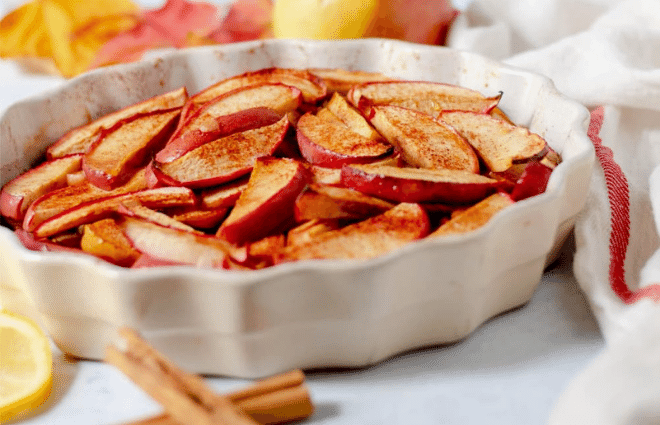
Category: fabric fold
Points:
column 604, row 54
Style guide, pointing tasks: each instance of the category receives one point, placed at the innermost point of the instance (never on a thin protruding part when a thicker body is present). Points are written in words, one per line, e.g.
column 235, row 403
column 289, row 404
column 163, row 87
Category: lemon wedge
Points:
column 322, row 19
column 26, row 366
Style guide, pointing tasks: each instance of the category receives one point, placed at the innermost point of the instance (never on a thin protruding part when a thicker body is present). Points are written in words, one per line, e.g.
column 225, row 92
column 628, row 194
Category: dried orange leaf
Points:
column 20, row 32
column 66, row 32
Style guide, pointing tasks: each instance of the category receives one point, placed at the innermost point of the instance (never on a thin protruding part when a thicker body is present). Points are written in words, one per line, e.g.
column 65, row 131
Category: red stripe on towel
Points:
column 619, row 197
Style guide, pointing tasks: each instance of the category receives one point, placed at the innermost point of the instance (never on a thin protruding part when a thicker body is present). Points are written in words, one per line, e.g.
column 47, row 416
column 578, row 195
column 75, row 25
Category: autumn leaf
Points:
column 246, row 20
column 66, row 32
column 173, row 25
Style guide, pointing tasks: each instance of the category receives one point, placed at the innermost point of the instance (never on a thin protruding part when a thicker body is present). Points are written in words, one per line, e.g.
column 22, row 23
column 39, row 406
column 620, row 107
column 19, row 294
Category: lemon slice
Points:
column 26, row 366
column 322, row 19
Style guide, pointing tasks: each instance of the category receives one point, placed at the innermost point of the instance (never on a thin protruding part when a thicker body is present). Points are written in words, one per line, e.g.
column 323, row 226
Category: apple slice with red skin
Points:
column 261, row 253
column 76, row 177
column 225, row 125
column 57, row 201
column 551, row 158
column 423, row 141
column 105, row 239
column 533, row 181
column 95, row 210
column 423, row 96
column 339, row 106
column 308, row 230
column 330, row 143
column 475, row 216
column 311, row 87
column 325, row 175
column 18, row 194
column 499, row 144
column 369, row 238
column 318, row 202
column 113, row 158
column 199, row 218
column 71, row 238
column 42, row 244
column 224, row 195
column 133, row 208
column 342, row 80
column 499, row 114
column 277, row 97
column 418, row 185
column 175, row 245
column 268, row 200
column 222, row 160
column 80, row 138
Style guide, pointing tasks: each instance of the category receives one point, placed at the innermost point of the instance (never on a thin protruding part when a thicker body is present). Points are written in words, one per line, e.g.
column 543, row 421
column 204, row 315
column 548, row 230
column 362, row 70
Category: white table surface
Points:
column 510, row 371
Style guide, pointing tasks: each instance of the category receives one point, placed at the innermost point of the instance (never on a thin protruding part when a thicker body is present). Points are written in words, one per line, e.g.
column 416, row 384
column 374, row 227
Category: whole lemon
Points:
column 322, row 19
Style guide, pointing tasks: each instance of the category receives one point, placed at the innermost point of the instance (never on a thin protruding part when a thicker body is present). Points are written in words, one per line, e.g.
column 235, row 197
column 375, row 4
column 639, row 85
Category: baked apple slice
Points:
column 328, row 142
column 342, row 80
column 218, row 126
column 325, row 175
column 224, row 195
column 311, row 86
column 319, row 202
column 42, row 244
column 261, row 253
column 106, row 240
column 102, row 208
column 114, row 157
column 427, row 97
column 59, row 200
column 350, row 116
column 222, row 160
column 369, row 238
column 422, row 140
column 198, row 218
column 18, row 194
column 417, row 184
column 76, row 177
column 267, row 202
column 533, row 181
column 475, row 216
column 498, row 143
column 174, row 246
column 277, row 97
column 80, row 138
column 308, row 230
column 133, row 208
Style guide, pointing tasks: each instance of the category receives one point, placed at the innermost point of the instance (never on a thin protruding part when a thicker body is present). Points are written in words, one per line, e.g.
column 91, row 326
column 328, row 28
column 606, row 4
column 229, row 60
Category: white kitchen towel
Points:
column 606, row 55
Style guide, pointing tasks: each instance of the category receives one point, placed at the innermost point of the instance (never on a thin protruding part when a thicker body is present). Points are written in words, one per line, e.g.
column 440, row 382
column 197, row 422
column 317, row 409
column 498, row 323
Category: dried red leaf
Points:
column 169, row 26
column 246, row 20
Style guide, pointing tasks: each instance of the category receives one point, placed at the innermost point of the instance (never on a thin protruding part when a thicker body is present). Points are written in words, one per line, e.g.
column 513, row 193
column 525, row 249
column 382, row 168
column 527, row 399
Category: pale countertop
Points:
column 510, row 371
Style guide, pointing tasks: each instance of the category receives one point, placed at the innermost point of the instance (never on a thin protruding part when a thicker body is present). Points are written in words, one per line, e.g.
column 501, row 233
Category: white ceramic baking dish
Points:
column 306, row 314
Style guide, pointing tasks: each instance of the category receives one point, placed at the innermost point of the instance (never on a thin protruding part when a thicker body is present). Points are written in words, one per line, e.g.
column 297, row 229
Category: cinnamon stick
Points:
column 187, row 399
